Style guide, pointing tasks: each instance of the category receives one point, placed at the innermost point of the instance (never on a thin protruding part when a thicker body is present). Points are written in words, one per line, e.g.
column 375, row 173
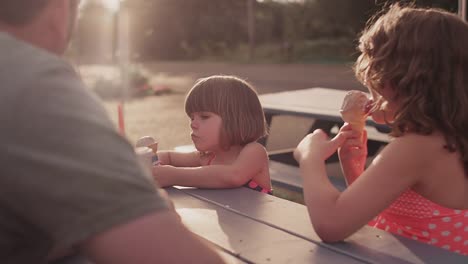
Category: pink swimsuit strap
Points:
column 418, row 218
column 255, row 186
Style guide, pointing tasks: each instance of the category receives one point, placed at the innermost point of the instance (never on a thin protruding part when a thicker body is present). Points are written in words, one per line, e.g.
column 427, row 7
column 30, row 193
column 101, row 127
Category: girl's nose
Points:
column 193, row 124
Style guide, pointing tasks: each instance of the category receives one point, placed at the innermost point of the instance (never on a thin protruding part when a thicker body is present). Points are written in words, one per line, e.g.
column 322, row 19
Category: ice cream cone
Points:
column 154, row 147
column 354, row 110
column 358, row 126
column 144, row 141
column 150, row 144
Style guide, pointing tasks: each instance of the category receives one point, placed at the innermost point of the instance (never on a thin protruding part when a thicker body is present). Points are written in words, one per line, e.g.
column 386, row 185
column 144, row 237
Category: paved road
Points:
column 164, row 118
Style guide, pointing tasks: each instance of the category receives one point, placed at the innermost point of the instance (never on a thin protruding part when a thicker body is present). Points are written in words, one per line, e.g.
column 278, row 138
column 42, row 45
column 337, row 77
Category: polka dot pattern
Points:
column 417, row 218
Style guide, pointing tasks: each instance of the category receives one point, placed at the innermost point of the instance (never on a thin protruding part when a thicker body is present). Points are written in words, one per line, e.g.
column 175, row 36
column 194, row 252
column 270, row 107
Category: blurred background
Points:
column 281, row 31
column 146, row 54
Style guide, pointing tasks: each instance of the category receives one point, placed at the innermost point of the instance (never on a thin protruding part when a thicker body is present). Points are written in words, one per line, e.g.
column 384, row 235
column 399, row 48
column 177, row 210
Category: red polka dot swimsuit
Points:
column 415, row 217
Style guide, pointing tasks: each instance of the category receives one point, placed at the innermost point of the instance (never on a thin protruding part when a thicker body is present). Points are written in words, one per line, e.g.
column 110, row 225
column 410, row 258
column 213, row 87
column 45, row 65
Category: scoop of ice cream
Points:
column 354, row 109
column 149, row 142
column 144, row 141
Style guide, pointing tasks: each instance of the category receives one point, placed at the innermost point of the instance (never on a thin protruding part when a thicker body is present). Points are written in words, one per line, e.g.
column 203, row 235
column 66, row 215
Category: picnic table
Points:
column 251, row 227
column 321, row 104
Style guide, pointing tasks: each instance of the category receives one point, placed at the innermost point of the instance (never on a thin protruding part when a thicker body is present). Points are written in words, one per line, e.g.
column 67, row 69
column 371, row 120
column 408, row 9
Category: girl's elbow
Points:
column 234, row 179
column 330, row 233
column 234, row 183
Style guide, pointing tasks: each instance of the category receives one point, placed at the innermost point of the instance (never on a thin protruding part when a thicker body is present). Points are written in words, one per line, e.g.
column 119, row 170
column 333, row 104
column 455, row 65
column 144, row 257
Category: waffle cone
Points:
column 358, row 126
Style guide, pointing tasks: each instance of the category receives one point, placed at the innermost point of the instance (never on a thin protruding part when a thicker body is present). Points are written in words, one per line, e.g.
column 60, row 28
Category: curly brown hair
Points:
column 236, row 102
column 422, row 54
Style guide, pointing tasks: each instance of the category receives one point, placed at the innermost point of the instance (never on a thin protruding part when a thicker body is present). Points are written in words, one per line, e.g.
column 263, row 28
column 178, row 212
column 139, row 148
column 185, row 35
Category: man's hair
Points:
column 20, row 12
column 422, row 55
column 236, row 102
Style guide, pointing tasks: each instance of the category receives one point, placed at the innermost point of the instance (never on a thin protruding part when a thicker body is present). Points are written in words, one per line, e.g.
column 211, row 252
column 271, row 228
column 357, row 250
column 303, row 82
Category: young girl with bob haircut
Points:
column 226, row 119
column 415, row 64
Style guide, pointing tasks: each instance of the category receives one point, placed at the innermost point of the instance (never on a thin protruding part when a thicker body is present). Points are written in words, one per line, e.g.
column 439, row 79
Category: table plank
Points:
column 315, row 102
column 228, row 258
column 246, row 238
column 369, row 245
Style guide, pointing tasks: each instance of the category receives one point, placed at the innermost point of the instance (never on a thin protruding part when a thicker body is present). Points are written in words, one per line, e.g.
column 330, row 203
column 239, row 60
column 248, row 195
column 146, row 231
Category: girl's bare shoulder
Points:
column 254, row 147
column 253, row 152
column 419, row 151
column 419, row 143
column 411, row 140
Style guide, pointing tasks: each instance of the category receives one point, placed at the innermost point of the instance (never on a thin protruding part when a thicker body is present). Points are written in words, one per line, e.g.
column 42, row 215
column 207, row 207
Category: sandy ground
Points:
column 163, row 116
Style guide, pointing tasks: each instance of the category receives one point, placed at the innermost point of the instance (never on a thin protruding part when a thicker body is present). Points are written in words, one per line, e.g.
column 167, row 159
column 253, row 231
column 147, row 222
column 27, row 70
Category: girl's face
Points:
column 206, row 128
column 386, row 112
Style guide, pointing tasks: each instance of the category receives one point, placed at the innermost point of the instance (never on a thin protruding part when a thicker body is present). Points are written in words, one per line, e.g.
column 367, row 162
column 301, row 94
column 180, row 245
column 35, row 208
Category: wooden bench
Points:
column 285, row 173
column 289, row 177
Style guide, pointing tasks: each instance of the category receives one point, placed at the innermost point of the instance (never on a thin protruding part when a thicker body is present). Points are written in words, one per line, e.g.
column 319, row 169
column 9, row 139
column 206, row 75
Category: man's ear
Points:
column 55, row 17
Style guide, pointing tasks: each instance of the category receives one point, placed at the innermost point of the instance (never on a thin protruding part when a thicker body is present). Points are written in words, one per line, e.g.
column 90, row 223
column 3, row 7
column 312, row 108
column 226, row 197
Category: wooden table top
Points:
column 252, row 227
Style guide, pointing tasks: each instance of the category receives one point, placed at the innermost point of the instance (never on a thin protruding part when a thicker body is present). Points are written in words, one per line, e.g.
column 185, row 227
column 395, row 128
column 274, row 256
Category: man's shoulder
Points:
column 36, row 83
column 22, row 60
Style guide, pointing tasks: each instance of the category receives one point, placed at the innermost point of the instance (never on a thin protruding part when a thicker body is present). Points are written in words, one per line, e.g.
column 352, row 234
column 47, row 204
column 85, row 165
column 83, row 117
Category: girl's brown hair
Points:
column 235, row 101
column 422, row 54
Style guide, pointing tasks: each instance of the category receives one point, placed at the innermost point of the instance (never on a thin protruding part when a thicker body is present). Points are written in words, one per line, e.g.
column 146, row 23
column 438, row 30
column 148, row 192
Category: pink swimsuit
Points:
column 415, row 217
column 254, row 186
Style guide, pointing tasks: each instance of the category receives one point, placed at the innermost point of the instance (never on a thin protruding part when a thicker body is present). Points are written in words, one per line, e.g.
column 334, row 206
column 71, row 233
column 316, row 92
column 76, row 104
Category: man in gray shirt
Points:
column 69, row 183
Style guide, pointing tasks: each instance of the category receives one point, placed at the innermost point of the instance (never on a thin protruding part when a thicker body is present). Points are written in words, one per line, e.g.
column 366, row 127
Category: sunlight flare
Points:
column 112, row 5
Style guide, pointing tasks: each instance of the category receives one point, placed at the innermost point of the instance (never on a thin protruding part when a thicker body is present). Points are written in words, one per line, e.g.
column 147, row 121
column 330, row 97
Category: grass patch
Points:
column 325, row 51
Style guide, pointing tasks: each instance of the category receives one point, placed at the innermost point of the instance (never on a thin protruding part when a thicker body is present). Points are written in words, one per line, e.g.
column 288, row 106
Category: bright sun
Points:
column 111, row 4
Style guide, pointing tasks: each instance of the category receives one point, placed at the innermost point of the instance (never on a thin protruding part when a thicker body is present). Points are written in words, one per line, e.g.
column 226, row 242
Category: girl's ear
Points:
column 224, row 138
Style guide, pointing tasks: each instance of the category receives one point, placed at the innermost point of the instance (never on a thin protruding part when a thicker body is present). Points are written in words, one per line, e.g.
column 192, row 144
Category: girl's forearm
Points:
column 216, row 176
column 164, row 157
column 321, row 199
column 318, row 190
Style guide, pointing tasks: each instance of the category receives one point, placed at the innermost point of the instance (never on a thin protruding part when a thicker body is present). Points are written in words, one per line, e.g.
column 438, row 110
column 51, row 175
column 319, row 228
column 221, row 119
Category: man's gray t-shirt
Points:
column 66, row 173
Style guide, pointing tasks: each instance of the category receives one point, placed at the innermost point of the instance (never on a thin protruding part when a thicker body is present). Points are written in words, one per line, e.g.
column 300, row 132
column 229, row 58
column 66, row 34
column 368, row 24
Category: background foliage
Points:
column 286, row 31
